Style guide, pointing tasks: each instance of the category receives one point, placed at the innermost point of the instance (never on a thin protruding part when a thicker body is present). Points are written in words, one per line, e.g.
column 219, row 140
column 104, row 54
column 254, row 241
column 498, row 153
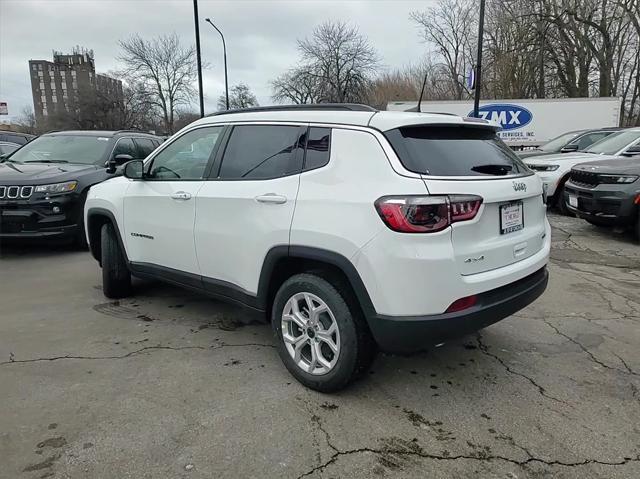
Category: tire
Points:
column 561, row 203
column 636, row 229
column 80, row 239
column 116, row 278
column 355, row 346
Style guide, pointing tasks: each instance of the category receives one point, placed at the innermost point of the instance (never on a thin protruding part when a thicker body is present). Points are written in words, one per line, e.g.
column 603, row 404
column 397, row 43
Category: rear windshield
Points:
column 454, row 151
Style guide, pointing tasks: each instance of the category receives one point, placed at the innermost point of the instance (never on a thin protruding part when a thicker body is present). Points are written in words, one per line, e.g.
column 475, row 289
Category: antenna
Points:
column 424, row 82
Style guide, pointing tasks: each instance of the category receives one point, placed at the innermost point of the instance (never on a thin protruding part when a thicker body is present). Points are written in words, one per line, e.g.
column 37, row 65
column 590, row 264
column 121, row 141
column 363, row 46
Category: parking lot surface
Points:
column 173, row 384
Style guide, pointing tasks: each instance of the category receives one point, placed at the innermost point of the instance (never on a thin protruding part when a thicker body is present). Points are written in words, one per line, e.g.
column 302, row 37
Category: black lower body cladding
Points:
column 407, row 334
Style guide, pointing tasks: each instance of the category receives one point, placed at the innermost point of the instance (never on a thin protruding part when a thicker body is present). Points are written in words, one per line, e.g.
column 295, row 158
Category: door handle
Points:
column 271, row 198
column 181, row 195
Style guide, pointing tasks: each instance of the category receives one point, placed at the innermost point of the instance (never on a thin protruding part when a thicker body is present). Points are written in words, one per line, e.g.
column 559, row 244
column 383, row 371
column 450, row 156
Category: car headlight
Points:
column 612, row 179
column 544, row 167
column 57, row 188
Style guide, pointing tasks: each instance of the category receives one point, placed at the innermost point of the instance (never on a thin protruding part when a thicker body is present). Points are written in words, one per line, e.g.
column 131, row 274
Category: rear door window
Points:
column 262, row 152
column 317, row 152
column 125, row 146
column 145, row 147
column 454, row 151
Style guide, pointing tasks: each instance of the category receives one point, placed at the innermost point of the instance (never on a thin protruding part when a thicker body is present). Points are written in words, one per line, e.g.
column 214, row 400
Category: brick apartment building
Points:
column 57, row 86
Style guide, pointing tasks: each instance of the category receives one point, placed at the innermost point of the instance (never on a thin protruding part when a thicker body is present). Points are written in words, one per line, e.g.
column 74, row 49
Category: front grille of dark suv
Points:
column 15, row 192
column 585, row 179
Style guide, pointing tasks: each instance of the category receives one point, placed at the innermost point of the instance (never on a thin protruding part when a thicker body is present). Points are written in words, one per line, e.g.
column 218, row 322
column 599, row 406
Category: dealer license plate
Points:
column 511, row 217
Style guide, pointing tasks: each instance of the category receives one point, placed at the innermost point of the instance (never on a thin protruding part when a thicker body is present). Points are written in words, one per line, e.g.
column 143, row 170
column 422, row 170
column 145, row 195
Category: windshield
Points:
column 86, row 150
column 557, row 143
column 614, row 143
column 454, row 151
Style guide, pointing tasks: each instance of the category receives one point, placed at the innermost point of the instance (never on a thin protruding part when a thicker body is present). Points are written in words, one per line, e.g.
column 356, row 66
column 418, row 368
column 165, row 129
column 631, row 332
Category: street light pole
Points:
column 198, row 57
column 224, row 47
column 478, row 76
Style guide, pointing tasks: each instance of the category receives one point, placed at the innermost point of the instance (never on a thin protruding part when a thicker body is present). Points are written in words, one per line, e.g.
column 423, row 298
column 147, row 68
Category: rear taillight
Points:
column 426, row 214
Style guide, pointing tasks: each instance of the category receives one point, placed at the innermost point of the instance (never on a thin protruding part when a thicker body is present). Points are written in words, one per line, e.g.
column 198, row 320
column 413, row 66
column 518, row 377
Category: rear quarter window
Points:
column 454, row 151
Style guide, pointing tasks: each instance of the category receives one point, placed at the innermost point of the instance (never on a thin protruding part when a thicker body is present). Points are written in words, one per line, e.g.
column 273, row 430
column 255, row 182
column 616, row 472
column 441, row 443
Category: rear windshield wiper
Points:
column 46, row 161
column 491, row 169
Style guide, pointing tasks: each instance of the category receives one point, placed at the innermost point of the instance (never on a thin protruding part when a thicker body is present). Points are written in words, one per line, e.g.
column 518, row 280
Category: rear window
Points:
column 454, row 151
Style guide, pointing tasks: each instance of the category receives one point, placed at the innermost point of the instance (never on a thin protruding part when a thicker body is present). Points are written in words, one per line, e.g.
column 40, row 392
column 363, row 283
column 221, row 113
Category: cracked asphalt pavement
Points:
column 173, row 384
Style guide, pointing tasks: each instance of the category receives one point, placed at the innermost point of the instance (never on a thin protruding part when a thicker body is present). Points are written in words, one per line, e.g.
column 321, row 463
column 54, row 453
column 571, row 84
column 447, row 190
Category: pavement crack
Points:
column 417, row 452
column 133, row 353
column 590, row 354
column 485, row 350
column 626, row 365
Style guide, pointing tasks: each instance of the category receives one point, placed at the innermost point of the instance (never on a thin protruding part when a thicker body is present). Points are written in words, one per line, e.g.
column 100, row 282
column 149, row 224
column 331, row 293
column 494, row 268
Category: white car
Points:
column 346, row 227
column 554, row 170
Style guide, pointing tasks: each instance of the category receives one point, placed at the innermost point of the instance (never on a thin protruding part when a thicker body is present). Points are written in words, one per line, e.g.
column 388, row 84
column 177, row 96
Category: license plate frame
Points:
column 511, row 217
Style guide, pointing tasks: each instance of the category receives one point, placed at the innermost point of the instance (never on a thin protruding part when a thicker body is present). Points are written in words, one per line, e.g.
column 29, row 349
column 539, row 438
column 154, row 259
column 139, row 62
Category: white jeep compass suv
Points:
column 350, row 228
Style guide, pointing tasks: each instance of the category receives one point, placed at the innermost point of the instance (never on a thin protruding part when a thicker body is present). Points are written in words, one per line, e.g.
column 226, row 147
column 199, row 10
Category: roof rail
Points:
column 303, row 107
column 414, row 109
column 130, row 130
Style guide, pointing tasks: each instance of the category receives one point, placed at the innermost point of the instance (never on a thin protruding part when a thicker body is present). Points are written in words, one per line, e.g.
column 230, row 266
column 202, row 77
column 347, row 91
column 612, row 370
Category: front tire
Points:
column 561, row 203
column 116, row 278
column 321, row 336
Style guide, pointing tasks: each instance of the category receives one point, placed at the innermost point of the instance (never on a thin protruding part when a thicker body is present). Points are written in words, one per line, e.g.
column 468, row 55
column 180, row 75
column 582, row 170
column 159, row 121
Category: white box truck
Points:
column 530, row 123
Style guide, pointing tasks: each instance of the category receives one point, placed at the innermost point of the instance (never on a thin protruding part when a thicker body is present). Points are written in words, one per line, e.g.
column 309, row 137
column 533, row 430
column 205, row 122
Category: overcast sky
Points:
column 261, row 35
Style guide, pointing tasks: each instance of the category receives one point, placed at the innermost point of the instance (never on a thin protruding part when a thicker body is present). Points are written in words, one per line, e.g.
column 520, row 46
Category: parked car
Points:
column 569, row 142
column 14, row 137
column 554, row 170
column 43, row 184
column 8, row 147
column 349, row 228
column 606, row 193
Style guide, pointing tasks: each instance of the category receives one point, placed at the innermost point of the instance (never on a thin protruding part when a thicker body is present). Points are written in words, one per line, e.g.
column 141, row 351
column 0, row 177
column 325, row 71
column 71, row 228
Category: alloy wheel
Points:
column 310, row 333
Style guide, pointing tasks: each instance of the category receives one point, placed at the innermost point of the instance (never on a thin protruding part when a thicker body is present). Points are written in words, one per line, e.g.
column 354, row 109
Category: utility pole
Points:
column 198, row 57
column 224, row 48
column 478, row 78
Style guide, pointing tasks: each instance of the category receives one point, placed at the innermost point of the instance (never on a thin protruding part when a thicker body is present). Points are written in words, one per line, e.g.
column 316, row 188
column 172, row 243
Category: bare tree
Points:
column 184, row 118
column 297, row 86
column 450, row 27
column 166, row 70
column 26, row 121
column 337, row 65
column 240, row 96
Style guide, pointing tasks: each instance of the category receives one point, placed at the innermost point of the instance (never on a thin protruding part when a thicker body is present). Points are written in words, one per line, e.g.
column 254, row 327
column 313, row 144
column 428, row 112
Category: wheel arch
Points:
column 96, row 218
column 282, row 262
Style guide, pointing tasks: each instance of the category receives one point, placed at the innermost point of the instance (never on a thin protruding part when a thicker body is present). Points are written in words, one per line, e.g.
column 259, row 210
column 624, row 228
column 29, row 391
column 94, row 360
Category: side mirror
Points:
column 116, row 161
column 3, row 157
column 134, row 170
column 632, row 151
column 122, row 159
column 569, row 148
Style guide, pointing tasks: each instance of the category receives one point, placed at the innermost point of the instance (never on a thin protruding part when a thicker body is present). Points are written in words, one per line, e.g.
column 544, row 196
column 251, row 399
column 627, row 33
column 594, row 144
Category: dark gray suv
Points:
column 606, row 193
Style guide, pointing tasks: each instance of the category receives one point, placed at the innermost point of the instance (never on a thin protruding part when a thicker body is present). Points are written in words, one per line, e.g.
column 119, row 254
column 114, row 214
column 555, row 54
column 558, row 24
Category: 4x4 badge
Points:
column 519, row 186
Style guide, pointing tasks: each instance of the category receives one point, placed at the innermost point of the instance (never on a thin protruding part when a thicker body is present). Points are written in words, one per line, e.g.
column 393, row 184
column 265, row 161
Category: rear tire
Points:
column 303, row 337
column 636, row 229
column 116, row 278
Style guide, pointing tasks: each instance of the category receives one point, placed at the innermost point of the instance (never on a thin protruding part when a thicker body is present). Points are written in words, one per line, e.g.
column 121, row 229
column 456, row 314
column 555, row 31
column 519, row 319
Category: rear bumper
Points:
column 405, row 334
column 613, row 206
